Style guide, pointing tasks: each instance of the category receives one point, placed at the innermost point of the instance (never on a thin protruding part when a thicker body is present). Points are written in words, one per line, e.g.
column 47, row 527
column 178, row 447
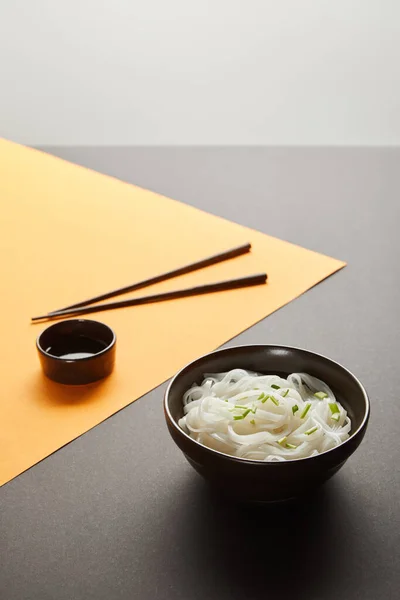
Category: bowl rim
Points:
column 75, row 361
column 251, row 461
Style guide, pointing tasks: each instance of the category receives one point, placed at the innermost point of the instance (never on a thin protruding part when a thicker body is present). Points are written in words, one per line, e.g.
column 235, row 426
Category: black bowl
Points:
column 256, row 481
column 77, row 352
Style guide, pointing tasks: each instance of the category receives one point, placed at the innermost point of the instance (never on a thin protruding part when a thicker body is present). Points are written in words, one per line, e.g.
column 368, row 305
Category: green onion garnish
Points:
column 254, row 410
column 276, row 387
column 295, row 408
column 240, row 406
column 226, row 400
column 282, row 440
column 312, row 430
column 239, row 417
column 320, row 395
column 274, row 400
column 291, row 446
column 261, row 396
column 253, row 422
column 305, row 411
column 335, row 410
column 285, row 393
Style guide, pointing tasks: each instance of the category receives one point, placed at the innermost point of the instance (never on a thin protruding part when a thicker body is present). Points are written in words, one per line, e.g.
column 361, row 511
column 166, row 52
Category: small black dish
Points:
column 257, row 481
column 76, row 352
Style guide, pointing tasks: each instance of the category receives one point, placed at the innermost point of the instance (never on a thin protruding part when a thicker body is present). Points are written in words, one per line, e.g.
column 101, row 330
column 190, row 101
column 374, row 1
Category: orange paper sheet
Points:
column 67, row 233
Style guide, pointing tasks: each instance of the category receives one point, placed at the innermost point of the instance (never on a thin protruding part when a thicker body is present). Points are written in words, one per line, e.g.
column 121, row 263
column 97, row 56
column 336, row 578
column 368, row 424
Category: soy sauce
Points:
column 73, row 347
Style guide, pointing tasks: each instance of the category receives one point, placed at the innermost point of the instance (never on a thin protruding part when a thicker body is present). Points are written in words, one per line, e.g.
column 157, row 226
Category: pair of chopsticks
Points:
column 81, row 308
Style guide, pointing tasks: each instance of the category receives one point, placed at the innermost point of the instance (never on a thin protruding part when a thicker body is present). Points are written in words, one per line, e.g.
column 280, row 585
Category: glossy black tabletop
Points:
column 119, row 514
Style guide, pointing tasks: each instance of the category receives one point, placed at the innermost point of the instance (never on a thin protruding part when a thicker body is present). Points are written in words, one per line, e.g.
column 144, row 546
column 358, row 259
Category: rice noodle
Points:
column 264, row 417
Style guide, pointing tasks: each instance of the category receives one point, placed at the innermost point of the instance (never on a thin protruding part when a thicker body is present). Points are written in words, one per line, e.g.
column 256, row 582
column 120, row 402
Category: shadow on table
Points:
column 50, row 394
column 294, row 550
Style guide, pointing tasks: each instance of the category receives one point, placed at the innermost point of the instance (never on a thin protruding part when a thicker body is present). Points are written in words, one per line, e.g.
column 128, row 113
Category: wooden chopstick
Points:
column 200, row 264
column 220, row 286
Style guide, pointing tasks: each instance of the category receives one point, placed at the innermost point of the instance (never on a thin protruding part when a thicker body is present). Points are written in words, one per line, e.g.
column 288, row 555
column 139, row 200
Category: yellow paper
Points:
column 68, row 233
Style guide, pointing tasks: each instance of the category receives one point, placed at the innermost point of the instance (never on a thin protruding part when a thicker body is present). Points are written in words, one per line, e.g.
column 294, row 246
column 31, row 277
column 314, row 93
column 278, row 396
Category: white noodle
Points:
column 242, row 414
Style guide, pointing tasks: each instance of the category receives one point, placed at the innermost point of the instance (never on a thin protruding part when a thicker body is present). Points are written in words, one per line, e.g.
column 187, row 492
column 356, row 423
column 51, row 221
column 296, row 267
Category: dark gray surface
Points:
column 118, row 514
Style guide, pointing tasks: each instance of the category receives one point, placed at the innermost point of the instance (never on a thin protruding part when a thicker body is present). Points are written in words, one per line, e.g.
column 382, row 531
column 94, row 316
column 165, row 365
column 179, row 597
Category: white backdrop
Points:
column 200, row 71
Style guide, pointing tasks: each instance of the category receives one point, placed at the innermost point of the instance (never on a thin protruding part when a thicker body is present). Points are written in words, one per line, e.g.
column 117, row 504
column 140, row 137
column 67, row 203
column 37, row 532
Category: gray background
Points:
column 200, row 72
column 119, row 514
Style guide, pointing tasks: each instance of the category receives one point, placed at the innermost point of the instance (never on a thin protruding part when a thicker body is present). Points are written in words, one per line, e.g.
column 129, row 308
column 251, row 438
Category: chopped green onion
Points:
column 253, row 422
column 276, row 387
column 261, row 396
column 226, row 400
column 320, row 395
column 240, row 406
column 274, row 400
column 312, row 430
column 282, row 440
column 291, row 446
column 335, row 410
column 295, row 408
column 305, row 411
column 240, row 417
column 254, row 410
column 285, row 393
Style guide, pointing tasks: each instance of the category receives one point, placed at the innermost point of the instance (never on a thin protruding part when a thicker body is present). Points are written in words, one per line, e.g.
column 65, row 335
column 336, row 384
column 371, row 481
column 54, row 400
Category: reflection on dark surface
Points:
column 298, row 549
column 271, row 548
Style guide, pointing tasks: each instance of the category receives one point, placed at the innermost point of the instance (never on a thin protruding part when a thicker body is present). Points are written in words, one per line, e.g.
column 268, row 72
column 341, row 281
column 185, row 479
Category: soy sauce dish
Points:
column 77, row 351
column 250, row 480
